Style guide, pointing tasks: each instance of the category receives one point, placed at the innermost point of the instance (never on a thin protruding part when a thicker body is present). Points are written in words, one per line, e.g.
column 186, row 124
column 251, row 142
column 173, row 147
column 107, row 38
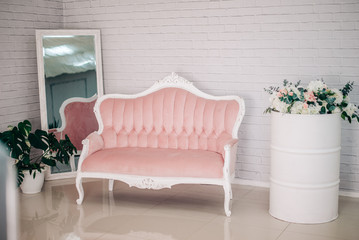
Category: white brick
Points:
column 327, row 8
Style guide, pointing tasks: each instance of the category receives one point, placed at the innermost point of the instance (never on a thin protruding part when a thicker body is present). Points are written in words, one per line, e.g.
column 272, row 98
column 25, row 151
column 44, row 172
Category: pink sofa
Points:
column 169, row 134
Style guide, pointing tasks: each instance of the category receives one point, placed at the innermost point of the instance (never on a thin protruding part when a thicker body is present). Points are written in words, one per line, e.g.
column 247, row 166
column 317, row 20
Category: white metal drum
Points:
column 305, row 159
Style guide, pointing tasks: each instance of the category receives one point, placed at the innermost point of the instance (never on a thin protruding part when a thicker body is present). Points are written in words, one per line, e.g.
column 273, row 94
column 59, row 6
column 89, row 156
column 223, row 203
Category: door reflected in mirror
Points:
column 69, row 71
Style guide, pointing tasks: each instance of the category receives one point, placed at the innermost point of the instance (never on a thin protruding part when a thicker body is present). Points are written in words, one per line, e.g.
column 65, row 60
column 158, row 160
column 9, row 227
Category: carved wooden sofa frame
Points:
column 223, row 146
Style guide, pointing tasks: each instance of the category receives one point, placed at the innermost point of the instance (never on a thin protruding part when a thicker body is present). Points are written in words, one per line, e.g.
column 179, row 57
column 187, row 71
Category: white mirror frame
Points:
column 40, row 64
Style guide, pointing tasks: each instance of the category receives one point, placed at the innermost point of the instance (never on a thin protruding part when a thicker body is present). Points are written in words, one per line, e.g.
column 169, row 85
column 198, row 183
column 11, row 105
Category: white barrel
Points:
column 305, row 164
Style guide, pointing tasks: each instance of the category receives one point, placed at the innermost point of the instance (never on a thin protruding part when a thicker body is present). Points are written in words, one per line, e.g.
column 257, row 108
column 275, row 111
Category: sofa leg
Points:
column 227, row 198
column 110, row 184
column 80, row 190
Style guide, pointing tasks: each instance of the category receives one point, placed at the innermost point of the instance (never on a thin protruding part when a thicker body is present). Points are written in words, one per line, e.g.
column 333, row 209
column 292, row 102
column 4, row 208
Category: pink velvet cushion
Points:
column 168, row 118
column 157, row 162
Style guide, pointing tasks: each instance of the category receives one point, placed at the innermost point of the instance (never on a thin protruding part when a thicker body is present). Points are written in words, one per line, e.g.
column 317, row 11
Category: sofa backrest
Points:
column 168, row 116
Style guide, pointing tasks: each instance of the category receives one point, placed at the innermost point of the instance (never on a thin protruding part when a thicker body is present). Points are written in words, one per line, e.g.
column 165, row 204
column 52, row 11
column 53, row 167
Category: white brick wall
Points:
column 231, row 47
column 225, row 47
column 19, row 94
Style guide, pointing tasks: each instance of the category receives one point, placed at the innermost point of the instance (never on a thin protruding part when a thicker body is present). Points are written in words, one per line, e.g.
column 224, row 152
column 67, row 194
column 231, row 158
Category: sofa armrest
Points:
column 227, row 146
column 230, row 143
column 225, row 142
column 94, row 141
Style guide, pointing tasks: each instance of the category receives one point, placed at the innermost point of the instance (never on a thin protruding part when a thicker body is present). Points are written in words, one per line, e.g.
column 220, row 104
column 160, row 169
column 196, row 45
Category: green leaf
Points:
column 330, row 100
column 285, row 82
column 49, row 162
column 24, row 127
column 322, row 96
column 347, row 89
column 37, row 142
column 322, row 110
column 26, row 159
column 20, row 177
column 331, row 107
column 343, row 115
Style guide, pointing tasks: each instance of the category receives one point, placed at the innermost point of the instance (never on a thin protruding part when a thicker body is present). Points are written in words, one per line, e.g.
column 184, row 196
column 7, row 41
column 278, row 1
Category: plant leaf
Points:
column 37, row 142
column 49, row 162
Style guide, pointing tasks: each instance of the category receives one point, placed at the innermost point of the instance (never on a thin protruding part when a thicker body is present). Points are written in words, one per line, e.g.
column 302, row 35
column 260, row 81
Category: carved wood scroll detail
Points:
column 174, row 79
column 149, row 183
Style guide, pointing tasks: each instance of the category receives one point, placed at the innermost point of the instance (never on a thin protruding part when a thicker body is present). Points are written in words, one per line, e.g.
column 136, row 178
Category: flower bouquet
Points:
column 316, row 98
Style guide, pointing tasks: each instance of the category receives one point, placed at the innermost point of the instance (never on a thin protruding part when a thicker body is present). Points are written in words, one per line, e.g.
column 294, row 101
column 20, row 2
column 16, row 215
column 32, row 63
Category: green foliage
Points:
column 20, row 143
column 347, row 89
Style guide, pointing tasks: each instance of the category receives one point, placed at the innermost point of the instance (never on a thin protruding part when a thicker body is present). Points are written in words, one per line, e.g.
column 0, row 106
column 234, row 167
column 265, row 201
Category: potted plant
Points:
column 32, row 151
column 305, row 149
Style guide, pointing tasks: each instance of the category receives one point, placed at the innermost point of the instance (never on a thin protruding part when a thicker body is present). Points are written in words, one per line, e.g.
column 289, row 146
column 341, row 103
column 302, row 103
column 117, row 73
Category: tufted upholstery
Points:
column 168, row 118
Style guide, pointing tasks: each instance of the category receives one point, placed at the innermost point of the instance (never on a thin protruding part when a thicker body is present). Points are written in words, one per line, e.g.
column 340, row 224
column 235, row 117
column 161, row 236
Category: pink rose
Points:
column 291, row 94
column 279, row 94
column 305, row 105
column 309, row 96
column 284, row 91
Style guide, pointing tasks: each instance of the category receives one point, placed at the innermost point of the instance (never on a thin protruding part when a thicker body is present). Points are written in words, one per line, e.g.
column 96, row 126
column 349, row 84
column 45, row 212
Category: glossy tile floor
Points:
column 188, row 212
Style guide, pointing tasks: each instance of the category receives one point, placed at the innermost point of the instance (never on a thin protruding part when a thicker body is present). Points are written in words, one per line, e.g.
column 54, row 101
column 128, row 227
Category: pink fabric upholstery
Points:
column 95, row 142
column 169, row 118
column 156, row 162
column 146, row 136
column 80, row 122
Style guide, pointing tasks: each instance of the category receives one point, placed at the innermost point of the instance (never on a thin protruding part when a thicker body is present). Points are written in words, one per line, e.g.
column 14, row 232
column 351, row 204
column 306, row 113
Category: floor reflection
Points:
column 53, row 214
column 185, row 212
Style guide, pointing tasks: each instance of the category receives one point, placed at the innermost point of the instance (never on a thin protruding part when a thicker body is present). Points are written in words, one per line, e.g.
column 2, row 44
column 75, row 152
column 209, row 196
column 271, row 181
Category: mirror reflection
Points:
column 70, row 71
column 70, row 80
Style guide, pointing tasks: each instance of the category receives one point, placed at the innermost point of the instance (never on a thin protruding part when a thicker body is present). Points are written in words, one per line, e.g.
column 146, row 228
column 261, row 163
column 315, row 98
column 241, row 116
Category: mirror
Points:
column 69, row 65
column 69, row 70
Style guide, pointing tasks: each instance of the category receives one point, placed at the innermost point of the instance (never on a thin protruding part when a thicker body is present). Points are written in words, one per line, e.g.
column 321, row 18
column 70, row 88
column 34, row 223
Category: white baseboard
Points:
column 250, row 183
column 267, row 185
column 349, row 194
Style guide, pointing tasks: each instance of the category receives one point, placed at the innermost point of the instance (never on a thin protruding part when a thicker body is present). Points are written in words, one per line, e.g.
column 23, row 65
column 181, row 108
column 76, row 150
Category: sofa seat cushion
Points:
column 159, row 162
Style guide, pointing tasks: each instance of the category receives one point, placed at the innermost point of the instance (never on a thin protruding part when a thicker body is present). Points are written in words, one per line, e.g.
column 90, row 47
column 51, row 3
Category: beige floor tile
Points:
column 240, row 191
column 345, row 227
column 255, row 214
column 184, row 212
column 113, row 236
column 200, row 205
column 224, row 228
column 348, row 205
column 203, row 212
column 302, row 236
column 258, row 195
column 158, row 227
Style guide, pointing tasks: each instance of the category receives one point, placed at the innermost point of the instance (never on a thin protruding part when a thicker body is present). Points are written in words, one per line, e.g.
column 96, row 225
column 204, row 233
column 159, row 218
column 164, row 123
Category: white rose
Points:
column 350, row 109
column 280, row 106
column 314, row 109
column 297, row 108
column 338, row 96
column 294, row 90
column 337, row 110
column 315, row 86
